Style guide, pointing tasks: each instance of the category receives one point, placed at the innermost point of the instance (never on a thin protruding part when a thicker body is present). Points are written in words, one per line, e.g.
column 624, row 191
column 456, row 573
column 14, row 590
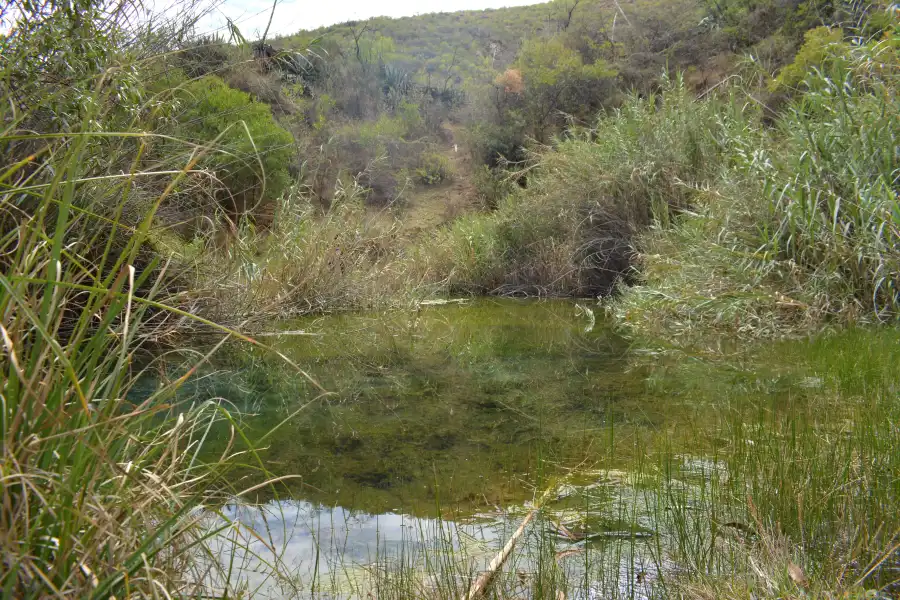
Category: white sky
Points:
column 292, row 16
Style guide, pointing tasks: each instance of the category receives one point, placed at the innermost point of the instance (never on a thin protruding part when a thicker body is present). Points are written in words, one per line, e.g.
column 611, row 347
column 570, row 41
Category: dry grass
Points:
column 310, row 261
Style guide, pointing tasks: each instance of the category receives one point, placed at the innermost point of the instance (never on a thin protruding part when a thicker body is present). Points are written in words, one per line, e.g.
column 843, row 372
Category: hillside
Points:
column 374, row 108
column 373, row 100
column 469, row 44
column 463, row 49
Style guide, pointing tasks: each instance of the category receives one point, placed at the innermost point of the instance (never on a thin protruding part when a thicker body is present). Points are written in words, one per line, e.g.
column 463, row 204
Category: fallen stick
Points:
column 296, row 332
column 484, row 580
column 481, row 584
column 442, row 301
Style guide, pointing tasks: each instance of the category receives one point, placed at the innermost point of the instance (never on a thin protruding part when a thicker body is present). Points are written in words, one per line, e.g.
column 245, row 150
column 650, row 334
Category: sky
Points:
column 291, row 16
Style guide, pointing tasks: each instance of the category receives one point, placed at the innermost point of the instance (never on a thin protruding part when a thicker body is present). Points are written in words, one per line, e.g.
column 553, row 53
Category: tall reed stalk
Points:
column 102, row 485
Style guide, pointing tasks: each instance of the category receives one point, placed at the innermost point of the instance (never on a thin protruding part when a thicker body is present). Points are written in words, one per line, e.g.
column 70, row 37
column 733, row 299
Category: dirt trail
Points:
column 428, row 207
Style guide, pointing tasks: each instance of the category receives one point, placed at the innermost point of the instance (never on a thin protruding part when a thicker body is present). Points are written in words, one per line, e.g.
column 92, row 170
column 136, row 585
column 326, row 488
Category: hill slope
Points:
column 466, row 44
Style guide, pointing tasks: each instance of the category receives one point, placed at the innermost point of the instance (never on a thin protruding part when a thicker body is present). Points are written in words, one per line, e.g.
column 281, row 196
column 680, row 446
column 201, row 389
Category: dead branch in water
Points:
column 480, row 585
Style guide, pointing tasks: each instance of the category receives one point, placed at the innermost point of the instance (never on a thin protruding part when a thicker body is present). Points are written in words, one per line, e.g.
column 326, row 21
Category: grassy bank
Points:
column 726, row 214
column 99, row 493
column 571, row 231
column 307, row 262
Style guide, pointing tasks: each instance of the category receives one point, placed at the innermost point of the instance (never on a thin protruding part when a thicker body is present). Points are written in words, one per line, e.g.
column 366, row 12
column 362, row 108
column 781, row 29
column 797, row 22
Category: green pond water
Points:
column 441, row 425
column 465, row 406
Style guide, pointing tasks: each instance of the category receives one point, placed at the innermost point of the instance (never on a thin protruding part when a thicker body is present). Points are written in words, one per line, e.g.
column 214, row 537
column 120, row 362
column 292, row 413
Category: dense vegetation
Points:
column 724, row 166
column 376, row 105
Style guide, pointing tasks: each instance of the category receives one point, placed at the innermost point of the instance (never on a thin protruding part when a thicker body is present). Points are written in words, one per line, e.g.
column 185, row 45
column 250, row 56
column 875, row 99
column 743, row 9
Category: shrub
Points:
column 493, row 145
column 208, row 55
column 409, row 115
column 266, row 88
column 820, row 44
column 434, row 169
column 252, row 152
column 386, row 127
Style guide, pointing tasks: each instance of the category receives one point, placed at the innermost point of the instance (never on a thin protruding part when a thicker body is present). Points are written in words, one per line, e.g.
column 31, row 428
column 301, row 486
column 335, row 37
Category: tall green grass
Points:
column 834, row 186
column 798, row 227
column 98, row 491
column 799, row 495
column 103, row 488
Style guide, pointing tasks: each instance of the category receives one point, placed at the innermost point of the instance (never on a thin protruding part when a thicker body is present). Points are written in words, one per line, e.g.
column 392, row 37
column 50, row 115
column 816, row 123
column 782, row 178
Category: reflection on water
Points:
column 337, row 547
column 441, row 426
column 335, row 552
column 461, row 406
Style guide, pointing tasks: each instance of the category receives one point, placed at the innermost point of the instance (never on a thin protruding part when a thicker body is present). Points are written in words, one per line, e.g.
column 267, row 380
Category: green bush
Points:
column 492, row 145
column 434, row 169
column 820, row 44
column 249, row 152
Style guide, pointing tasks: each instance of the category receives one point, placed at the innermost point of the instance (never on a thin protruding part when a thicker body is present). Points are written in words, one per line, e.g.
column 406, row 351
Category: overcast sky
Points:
column 291, row 16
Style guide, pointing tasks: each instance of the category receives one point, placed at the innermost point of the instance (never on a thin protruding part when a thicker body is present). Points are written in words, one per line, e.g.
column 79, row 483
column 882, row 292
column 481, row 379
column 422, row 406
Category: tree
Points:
column 357, row 33
column 568, row 9
column 555, row 81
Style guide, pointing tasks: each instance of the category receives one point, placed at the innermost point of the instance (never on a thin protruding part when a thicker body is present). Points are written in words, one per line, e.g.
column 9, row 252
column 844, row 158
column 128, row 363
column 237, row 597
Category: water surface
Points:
column 462, row 406
column 442, row 426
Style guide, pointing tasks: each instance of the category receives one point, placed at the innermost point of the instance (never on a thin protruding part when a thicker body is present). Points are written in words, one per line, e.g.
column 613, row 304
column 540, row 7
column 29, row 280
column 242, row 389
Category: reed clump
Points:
column 100, row 490
column 104, row 490
column 799, row 227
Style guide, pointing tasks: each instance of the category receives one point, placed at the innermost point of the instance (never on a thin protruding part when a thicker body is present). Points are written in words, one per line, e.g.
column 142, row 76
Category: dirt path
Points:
column 428, row 207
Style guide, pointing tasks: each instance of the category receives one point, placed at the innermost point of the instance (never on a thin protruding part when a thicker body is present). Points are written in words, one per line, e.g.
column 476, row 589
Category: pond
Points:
column 440, row 429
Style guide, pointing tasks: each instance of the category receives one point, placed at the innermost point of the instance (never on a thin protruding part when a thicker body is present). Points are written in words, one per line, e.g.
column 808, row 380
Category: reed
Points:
column 104, row 491
column 796, row 227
